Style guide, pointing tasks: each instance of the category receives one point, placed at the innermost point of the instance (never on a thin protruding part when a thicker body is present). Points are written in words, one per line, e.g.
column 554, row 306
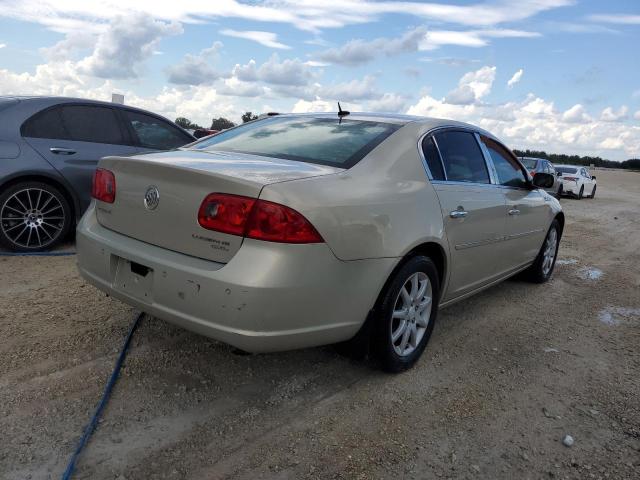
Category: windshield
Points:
column 324, row 141
column 566, row 169
column 529, row 163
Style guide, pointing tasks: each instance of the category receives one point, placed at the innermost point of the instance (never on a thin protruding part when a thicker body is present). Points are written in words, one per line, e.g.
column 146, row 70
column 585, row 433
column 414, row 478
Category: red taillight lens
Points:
column 571, row 179
column 225, row 213
column 104, row 185
column 258, row 219
column 532, row 173
column 276, row 223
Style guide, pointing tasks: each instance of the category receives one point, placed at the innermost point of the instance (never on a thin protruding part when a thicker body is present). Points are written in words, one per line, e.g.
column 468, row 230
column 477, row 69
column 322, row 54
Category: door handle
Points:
column 458, row 214
column 514, row 211
column 62, row 151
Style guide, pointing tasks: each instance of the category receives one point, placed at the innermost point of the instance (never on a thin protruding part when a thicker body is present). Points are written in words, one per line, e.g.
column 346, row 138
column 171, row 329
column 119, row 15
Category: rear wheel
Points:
column 545, row 262
column 581, row 193
column 593, row 192
column 403, row 320
column 560, row 190
column 34, row 216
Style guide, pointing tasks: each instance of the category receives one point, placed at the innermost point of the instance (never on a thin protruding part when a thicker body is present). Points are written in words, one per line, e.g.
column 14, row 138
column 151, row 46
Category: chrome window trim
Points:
column 491, row 168
column 431, row 133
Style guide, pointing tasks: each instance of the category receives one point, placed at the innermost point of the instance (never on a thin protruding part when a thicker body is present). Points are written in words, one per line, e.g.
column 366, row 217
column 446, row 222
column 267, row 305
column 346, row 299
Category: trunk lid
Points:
column 183, row 178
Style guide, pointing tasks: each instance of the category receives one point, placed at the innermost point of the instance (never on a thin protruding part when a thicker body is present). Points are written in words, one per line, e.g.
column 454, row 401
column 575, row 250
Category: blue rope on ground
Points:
column 103, row 401
column 36, row 254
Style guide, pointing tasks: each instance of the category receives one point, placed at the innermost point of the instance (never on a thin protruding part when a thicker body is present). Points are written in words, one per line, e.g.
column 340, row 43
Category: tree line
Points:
column 219, row 123
column 222, row 123
column 560, row 158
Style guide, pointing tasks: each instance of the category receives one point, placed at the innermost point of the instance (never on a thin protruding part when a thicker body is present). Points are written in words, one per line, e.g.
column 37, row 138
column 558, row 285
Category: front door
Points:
column 526, row 210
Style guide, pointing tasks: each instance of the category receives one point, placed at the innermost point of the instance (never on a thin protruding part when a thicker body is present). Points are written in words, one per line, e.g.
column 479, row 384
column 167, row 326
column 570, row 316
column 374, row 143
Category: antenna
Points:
column 341, row 112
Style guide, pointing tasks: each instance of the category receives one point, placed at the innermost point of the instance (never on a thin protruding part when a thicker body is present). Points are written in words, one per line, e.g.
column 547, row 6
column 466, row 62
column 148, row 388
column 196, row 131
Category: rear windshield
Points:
column 529, row 163
column 324, row 141
column 566, row 169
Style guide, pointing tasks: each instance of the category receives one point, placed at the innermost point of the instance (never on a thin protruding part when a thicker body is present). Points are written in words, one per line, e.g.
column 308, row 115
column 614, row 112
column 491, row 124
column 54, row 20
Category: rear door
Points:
column 472, row 208
column 151, row 133
column 526, row 211
column 73, row 137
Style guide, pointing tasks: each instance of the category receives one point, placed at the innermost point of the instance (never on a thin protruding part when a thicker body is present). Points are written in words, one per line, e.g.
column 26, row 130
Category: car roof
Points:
column 571, row 166
column 50, row 100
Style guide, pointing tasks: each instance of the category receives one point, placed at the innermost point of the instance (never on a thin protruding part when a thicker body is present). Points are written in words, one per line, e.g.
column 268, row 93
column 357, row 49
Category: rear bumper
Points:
column 269, row 297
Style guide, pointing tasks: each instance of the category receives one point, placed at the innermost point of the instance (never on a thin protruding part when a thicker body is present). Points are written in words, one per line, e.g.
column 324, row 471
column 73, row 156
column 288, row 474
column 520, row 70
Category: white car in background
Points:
column 576, row 181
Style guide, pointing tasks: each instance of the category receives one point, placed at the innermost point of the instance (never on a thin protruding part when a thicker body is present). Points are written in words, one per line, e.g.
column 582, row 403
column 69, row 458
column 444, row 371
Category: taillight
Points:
column 532, row 173
column 225, row 213
column 104, row 185
column 571, row 179
column 257, row 219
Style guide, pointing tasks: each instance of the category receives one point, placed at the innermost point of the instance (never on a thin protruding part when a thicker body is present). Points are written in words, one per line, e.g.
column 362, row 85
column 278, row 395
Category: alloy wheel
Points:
column 32, row 218
column 411, row 314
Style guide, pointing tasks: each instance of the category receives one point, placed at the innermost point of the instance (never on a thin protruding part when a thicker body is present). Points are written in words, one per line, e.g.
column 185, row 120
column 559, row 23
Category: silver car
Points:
column 49, row 149
column 540, row 165
column 302, row 230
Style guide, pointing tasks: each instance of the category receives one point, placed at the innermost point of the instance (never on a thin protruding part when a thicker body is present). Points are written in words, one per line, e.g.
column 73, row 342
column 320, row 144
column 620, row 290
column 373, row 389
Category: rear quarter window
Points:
column 324, row 141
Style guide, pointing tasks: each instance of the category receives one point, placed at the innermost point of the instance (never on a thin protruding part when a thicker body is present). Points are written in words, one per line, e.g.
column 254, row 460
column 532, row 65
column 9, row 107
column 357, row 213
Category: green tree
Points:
column 248, row 116
column 186, row 123
column 221, row 123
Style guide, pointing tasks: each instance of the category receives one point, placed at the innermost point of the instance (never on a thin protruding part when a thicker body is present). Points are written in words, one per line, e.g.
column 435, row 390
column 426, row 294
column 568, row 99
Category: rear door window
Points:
column 85, row 123
column 462, row 157
column 507, row 167
column 154, row 133
column 45, row 124
column 324, row 141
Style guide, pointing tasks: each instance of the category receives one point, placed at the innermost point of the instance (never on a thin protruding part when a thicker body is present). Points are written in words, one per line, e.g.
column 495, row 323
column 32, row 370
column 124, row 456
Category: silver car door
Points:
column 526, row 213
column 73, row 137
column 472, row 208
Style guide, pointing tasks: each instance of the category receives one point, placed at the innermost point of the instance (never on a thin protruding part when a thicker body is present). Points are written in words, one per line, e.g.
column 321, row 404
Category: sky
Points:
column 556, row 75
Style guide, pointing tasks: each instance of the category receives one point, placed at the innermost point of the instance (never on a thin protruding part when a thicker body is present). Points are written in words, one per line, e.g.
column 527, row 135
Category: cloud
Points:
column 389, row 103
column 535, row 123
column 309, row 15
column 196, row 69
column 268, row 39
column 576, row 114
column 611, row 115
column 124, row 45
column 637, row 115
column 286, row 72
column 435, row 39
column 515, row 78
column 353, row 90
column 356, row 52
column 472, row 86
column 616, row 18
column 2, row 45
column 304, row 106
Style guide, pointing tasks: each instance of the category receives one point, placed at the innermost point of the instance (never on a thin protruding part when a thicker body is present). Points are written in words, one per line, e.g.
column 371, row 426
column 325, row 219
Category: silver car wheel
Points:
column 411, row 314
column 550, row 249
column 32, row 218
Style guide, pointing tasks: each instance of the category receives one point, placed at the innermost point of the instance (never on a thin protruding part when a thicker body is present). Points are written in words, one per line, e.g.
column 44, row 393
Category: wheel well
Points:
column 436, row 253
column 49, row 181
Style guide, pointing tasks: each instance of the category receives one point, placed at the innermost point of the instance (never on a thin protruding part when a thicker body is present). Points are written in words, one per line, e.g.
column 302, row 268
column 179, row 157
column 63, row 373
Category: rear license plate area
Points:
column 134, row 279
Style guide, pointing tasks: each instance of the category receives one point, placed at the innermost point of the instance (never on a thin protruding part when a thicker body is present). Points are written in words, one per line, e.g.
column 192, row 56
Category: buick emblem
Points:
column 151, row 198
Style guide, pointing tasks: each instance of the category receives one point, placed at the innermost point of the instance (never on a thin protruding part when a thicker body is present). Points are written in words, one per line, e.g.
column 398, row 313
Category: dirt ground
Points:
column 506, row 376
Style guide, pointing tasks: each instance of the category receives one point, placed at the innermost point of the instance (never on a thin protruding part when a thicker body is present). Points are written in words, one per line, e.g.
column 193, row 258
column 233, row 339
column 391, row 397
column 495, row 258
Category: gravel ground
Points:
column 506, row 376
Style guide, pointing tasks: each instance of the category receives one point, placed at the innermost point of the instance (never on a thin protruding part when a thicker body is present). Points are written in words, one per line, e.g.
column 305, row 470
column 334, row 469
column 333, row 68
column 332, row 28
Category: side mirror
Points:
column 558, row 174
column 543, row 180
column 593, row 177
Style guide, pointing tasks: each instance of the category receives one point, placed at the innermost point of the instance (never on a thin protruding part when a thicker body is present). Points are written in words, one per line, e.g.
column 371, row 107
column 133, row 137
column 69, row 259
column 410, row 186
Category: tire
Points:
column 34, row 216
column 559, row 193
column 581, row 193
column 593, row 192
column 541, row 270
column 402, row 293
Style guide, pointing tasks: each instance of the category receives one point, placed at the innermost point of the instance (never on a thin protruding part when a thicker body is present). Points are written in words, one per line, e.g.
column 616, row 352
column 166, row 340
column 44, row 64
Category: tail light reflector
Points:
column 104, row 185
column 571, row 179
column 254, row 218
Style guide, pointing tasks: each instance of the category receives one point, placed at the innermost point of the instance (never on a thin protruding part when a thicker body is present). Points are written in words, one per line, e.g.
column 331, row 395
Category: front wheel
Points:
column 542, row 268
column 404, row 317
